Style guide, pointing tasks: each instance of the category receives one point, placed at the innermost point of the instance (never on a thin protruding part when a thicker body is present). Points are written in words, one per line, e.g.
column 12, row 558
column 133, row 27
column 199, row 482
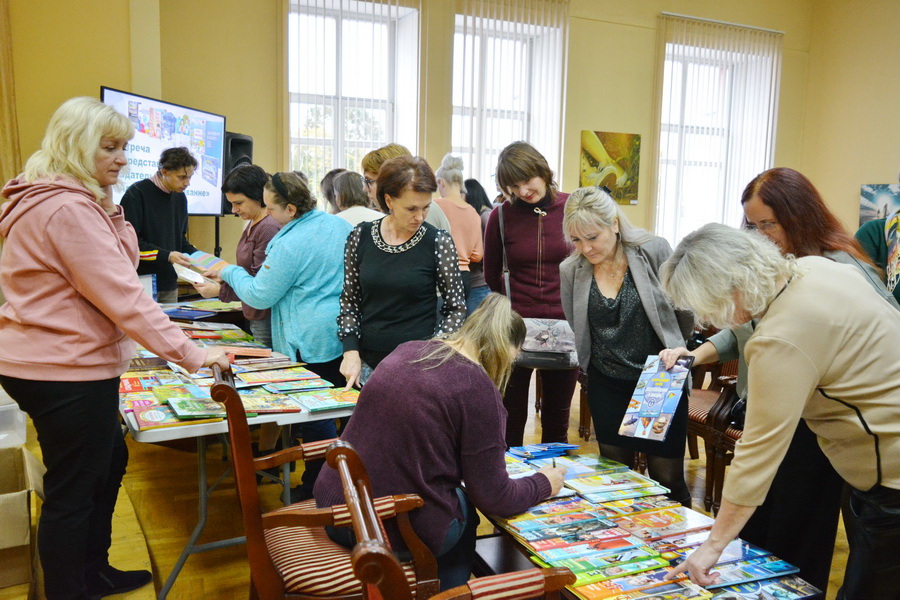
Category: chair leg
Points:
column 693, row 449
column 721, row 462
column 538, row 391
column 710, row 477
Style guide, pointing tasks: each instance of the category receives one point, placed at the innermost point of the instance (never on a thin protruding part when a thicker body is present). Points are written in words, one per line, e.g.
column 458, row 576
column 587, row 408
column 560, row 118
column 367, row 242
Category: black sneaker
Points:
column 110, row 580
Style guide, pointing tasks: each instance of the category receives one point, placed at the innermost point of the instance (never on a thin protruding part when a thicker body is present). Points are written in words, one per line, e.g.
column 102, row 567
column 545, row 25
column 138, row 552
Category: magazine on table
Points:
column 790, row 587
column 656, row 397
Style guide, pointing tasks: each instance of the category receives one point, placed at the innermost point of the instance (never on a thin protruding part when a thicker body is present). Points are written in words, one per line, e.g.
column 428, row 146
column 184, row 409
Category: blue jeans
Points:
column 262, row 331
column 476, row 296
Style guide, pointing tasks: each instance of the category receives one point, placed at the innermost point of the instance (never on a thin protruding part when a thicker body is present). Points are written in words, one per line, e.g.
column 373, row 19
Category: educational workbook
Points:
column 656, row 397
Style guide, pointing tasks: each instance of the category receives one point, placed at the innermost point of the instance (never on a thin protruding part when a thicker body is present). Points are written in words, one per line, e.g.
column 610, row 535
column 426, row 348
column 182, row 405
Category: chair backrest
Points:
column 374, row 562
column 267, row 580
column 519, row 585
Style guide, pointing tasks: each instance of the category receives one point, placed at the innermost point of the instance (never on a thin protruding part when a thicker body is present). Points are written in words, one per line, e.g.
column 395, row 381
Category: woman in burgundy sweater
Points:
column 535, row 245
column 446, row 430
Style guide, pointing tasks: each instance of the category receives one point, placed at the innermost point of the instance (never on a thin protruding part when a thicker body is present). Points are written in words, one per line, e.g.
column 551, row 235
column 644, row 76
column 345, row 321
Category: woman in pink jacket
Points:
column 74, row 305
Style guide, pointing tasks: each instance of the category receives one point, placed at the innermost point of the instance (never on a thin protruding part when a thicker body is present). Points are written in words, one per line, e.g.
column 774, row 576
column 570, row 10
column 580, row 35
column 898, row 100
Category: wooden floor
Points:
column 161, row 484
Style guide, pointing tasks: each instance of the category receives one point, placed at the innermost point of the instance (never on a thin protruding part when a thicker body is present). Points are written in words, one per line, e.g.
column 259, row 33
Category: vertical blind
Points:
column 718, row 99
column 353, row 72
column 508, row 68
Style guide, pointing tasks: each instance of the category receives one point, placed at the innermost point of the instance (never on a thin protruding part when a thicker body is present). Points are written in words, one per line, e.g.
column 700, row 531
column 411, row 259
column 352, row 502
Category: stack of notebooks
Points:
column 620, row 536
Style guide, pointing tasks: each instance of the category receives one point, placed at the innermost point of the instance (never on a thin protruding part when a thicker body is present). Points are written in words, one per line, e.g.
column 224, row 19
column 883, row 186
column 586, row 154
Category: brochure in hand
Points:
column 656, row 396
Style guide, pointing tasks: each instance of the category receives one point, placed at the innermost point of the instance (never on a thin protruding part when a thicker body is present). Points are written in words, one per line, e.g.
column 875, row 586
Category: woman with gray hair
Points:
column 836, row 369
column 613, row 300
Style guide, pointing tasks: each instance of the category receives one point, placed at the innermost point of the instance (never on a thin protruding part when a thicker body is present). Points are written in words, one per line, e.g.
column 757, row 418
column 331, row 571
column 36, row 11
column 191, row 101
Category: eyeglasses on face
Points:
column 368, row 182
column 763, row 226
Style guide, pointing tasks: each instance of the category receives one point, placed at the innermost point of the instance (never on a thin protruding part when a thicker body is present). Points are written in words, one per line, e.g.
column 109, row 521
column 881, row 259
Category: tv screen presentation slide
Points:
column 159, row 125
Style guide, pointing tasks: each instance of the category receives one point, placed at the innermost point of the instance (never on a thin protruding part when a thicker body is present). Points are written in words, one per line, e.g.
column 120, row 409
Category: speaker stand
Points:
column 218, row 249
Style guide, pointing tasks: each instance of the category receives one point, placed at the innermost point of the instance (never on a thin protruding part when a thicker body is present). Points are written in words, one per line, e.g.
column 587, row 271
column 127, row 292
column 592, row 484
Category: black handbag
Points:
column 549, row 343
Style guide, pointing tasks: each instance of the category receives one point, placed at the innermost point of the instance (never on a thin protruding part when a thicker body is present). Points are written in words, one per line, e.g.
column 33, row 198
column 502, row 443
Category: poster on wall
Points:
column 878, row 200
column 613, row 160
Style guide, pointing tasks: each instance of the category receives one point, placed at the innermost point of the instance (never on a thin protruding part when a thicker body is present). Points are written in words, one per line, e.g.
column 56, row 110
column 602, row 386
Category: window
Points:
column 507, row 81
column 718, row 109
column 352, row 81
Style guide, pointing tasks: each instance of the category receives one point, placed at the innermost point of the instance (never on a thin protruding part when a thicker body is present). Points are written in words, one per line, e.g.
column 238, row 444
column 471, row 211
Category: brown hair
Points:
column 373, row 161
column 809, row 227
column 402, row 173
column 520, row 162
column 289, row 188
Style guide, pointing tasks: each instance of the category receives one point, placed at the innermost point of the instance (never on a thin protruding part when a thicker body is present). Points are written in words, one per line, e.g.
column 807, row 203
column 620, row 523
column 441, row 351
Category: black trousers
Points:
column 798, row 520
column 78, row 429
column 558, row 388
column 873, row 531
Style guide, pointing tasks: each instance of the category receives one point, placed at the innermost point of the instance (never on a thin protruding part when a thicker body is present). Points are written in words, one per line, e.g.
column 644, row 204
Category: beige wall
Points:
column 837, row 116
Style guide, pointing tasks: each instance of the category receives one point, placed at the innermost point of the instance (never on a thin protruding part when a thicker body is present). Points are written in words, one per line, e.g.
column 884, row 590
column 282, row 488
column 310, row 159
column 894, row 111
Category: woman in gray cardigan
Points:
column 613, row 300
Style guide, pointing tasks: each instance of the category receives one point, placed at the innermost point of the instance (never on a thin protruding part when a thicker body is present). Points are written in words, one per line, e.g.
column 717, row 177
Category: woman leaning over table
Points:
column 810, row 357
column 612, row 298
column 534, row 246
column 243, row 188
column 391, row 269
column 449, row 431
column 74, row 305
column 300, row 281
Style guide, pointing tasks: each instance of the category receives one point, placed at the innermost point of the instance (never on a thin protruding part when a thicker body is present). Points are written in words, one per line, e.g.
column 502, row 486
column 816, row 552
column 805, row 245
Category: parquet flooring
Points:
column 161, row 484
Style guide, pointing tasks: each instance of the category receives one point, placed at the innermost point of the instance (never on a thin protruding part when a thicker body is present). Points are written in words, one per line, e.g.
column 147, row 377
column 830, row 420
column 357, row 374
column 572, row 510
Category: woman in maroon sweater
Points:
column 445, row 429
column 535, row 245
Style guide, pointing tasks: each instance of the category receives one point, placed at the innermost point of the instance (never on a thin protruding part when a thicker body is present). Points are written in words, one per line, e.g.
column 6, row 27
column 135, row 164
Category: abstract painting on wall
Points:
column 878, row 200
column 613, row 160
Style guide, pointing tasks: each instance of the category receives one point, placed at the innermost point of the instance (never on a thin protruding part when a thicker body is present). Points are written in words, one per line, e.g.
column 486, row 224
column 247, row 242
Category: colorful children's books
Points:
column 196, row 408
column 206, row 261
column 656, row 396
column 147, row 363
column 745, row 571
column 323, row 400
column 553, row 507
column 598, row 545
column 620, row 571
column 663, row 522
column 276, row 376
column 132, row 400
column 631, row 506
column 625, row 480
column 155, row 417
column 557, row 520
column 673, row 590
column 580, row 528
column 545, row 450
column 517, row 467
column 601, row 497
column 214, row 305
column 141, row 383
column 580, row 558
column 783, row 588
column 580, row 466
column 261, row 402
column 301, row 385
column 736, row 550
column 613, row 587
column 189, row 391
column 683, row 540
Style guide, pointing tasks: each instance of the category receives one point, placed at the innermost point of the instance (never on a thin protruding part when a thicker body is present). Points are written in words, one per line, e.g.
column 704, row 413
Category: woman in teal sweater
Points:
column 301, row 281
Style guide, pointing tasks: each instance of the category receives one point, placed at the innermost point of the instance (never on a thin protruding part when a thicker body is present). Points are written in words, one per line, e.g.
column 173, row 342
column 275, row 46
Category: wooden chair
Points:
column 518, row 585
column 290, row 555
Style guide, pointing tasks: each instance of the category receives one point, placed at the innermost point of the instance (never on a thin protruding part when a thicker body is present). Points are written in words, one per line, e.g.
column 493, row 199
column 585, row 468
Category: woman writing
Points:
column 449, row 431
column 613, row 300
column 391, row 269
column 300, row 281
column 532, row 239
column 785, row 206
column 243, row 188
column 809, row 357
column 74, row 305
column 464, row 221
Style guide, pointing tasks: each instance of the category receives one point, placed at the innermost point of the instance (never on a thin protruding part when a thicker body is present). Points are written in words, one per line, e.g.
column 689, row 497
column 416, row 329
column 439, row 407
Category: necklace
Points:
column 616, row 273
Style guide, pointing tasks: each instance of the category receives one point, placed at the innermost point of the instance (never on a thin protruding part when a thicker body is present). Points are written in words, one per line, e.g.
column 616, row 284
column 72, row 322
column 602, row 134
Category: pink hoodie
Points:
column 72, row 293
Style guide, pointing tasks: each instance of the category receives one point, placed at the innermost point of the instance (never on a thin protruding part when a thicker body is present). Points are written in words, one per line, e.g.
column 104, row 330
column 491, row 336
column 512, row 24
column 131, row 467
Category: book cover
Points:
column 517, row 467
column 621, row 570
column 580, row 466
column 189, row 275
column 185, row 314
column 260, row 402
column 276, row 376
column 745, row 571
column 656, row 396
column 601, row 497
column 133, row 400
column 625, row 480
column 142, row 383
column 258, row 352
column 301, row 385
column 214, row 305
column 196, row 408
column 165, row 393
column 155, row 417
column 544, row 450
column 663, row 522
column 581, row 558
column 630, row 506
column 599, row 545
column 147, row 363
column 736, row 550
column 556, row 520
column 553, row 507
column 783, row 588
column 322, row 400
column 673, row 590
column 682, row 540
column 206, row 261
column 610, row 588
column 581, row 528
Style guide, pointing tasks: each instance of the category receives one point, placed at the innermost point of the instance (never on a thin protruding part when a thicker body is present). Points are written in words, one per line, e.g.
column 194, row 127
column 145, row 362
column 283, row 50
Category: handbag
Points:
column 549, row 343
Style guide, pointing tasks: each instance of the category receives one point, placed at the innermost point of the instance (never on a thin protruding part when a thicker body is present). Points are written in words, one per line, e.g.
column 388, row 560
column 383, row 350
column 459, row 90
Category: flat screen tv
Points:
column 159, row 125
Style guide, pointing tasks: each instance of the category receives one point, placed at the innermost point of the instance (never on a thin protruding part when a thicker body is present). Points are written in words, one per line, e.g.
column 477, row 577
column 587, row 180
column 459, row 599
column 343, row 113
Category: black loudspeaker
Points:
column 238, row 152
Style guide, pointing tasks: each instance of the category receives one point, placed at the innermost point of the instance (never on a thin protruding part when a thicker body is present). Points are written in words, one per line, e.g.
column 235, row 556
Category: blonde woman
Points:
column 614, row 302
column 73, row 306
column 450, row 430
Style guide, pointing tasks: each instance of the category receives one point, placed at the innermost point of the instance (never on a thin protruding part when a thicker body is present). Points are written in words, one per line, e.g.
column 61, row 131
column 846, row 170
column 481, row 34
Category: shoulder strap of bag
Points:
column 503, row 246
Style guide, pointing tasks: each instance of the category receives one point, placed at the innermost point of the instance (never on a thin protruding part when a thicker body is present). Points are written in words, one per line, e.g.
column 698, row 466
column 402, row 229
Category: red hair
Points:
column 810, row 228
